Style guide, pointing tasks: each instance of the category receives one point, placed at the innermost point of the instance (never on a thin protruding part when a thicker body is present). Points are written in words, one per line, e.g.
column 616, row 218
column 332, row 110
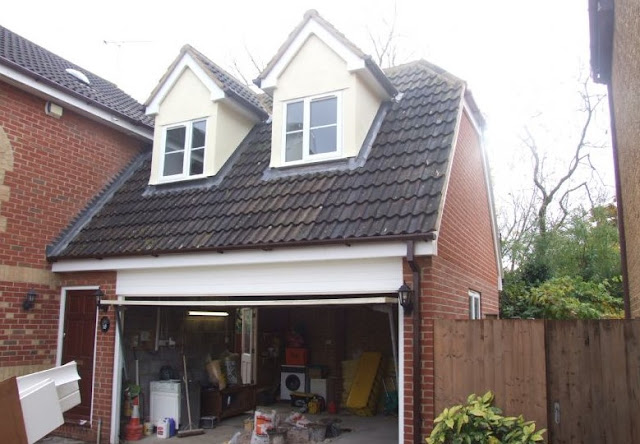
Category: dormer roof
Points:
column 220, row 83
column 314, row 24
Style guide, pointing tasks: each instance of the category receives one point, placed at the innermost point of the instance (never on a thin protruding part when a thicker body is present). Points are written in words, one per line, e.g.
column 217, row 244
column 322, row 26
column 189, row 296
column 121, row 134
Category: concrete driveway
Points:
column 356, row 430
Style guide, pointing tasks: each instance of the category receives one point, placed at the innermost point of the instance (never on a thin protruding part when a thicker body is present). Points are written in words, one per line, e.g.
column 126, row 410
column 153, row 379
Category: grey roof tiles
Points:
column 25, row 56
column 395, row 192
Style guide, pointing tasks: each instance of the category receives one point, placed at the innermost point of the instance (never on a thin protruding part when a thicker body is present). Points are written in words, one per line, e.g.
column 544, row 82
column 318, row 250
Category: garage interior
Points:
column 312, row 349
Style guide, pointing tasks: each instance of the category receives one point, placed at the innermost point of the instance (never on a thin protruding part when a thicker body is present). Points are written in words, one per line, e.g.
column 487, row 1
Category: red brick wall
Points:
column 103, row 366
column 466, row 257
column 466, row 261
column 59, row 165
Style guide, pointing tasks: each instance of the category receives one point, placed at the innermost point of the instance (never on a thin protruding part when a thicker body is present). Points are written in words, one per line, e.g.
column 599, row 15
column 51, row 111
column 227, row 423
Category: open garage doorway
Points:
column 234, row 367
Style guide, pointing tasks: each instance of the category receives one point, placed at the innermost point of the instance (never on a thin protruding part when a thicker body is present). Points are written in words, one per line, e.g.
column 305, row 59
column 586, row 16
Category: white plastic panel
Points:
column 361, row 276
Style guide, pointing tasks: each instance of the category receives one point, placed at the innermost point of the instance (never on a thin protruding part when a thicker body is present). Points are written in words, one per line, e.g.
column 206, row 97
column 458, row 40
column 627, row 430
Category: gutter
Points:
column 56, row 255
column 417, row 343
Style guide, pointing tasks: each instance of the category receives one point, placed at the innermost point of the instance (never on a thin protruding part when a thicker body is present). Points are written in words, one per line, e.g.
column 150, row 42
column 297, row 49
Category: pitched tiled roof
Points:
column 229, row 84
column 395, row 192
column 25, row 56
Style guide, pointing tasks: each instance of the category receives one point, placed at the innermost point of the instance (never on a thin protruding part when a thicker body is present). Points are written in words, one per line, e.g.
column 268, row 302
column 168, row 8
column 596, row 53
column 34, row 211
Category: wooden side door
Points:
column 78, row 345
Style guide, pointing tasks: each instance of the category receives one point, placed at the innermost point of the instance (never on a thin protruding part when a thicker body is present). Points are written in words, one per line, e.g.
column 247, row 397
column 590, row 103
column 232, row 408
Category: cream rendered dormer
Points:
column 201, row 115
column 326, row 94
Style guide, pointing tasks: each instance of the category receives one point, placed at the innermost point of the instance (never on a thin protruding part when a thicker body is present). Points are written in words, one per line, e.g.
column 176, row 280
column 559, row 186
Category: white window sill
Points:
column 300, row 163
column 165, row 180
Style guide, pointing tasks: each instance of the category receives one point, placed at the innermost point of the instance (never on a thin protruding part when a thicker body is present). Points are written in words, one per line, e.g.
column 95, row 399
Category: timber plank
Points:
column 11, row 419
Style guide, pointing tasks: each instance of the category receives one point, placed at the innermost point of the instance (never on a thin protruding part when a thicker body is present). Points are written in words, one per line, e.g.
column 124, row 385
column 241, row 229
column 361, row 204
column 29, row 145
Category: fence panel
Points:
column 593, row 371
column 504, row 356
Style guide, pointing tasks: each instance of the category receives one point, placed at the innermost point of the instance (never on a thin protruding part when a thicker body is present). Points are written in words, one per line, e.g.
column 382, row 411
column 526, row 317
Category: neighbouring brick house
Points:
column 61, row 142
column 615, row 39
column 309, row 206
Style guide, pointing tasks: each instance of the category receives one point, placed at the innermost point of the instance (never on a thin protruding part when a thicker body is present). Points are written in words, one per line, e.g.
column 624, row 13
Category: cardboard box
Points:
column 296, row 356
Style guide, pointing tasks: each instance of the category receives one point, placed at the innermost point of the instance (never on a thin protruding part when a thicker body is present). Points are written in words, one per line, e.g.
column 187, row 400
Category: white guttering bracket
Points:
column 187, row 61
column 47, row 92
column 244, row 257
column 354, row 62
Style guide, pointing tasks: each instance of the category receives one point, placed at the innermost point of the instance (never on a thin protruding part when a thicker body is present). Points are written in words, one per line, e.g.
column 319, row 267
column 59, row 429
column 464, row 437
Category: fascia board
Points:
column 354, row 62
column 187, row 61
column 244, row 257
column 489, row 188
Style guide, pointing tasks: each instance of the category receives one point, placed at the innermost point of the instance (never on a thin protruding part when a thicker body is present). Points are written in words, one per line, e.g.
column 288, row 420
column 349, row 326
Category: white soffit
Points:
column 347, row 276
column 354, row 62
column 187, row 61
column 241, row 257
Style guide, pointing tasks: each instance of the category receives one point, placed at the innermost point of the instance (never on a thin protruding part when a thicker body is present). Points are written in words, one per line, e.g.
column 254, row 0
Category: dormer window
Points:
column 184, row 150
column 313, row 129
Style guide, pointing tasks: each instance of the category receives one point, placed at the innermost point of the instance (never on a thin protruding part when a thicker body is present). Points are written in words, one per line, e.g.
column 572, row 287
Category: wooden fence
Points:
column 578, row 379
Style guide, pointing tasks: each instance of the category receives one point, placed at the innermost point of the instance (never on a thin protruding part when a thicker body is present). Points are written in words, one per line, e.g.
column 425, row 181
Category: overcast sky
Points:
column 521, row 58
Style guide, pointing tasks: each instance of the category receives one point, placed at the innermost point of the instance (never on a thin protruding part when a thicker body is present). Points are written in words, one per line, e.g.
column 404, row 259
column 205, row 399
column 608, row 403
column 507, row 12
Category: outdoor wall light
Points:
column 29, row 300
column 405, row 296
column 99, row 294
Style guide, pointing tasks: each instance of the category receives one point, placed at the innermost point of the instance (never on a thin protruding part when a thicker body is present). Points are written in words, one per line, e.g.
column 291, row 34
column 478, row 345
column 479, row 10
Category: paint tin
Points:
column 148, row 428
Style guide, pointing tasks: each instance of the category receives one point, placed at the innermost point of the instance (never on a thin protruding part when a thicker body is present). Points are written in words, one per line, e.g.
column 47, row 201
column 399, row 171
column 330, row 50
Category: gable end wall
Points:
column 466, row 261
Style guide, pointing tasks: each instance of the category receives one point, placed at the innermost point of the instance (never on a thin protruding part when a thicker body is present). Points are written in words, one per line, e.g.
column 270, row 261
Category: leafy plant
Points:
column 479, row 422
column 562, row 298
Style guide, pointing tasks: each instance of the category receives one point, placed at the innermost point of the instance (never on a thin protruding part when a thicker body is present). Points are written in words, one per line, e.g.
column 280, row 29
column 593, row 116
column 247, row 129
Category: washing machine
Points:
column 293, row 378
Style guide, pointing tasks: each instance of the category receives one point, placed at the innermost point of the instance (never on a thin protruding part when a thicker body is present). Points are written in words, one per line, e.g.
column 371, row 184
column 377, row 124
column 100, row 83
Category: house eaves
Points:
column 36, row 70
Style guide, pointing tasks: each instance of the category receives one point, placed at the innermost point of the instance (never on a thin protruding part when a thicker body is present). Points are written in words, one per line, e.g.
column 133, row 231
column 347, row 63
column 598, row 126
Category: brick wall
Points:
column 466, row 261
column 49, row 171
column 625, row 83
column 103, row 365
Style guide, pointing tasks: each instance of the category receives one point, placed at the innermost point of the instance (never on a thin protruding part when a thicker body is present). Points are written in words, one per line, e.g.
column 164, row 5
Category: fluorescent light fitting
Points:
column 208, row 313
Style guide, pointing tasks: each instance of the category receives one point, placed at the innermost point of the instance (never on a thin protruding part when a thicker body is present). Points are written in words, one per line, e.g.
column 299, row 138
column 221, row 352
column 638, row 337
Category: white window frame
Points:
column 473, row 297
column 306, row 128
column 188, row 124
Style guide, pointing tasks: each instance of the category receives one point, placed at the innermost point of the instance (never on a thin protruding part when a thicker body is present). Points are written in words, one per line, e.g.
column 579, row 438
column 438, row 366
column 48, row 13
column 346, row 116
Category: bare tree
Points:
column 248, row 68
column 545, row 206
column 385, row 43
column 517, row 223
column 561, row 188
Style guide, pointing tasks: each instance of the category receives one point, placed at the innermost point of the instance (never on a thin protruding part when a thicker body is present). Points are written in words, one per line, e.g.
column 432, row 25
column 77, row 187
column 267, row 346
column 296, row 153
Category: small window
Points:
column 474, row 305
column 312, row 129
column 183, row 155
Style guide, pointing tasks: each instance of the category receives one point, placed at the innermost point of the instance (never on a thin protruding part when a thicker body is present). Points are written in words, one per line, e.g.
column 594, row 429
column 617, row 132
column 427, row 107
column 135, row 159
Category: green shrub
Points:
column 479, row 422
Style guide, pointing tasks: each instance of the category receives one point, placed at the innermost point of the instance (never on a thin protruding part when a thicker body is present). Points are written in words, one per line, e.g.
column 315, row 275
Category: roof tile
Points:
column 397, row 191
